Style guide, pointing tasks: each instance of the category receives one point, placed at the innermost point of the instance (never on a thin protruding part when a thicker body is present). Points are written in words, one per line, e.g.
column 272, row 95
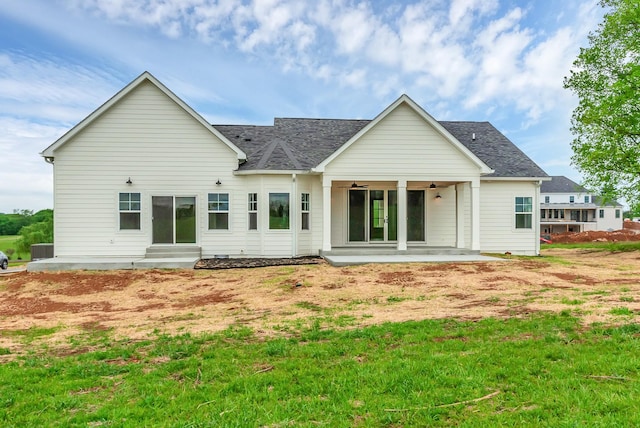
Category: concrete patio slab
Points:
column 408, row 258
column 111, row 263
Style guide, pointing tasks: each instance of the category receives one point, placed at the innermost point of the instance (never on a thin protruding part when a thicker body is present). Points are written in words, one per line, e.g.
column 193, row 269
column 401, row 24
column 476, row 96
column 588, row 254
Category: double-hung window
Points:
column 601, row 213
column 304, row 209
column 586, row 199
column 129, row 208
column 253, row 211
column 218, row 208
column 524, row 212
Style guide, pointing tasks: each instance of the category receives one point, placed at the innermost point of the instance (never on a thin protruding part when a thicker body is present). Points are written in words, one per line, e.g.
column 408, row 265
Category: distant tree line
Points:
column 33, row 228
column 11, row 224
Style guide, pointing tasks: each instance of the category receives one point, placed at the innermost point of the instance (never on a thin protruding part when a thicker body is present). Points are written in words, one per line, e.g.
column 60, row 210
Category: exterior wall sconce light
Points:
column 438, row 196
column 218, row 182
column 129, row 182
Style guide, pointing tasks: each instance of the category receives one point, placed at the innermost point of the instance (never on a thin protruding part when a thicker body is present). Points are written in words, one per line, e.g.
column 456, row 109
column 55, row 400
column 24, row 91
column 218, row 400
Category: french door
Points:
column 174, row 219
column 373, row 215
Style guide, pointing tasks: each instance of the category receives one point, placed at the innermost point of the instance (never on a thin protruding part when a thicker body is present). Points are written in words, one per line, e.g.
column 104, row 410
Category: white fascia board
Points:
column 49, row 152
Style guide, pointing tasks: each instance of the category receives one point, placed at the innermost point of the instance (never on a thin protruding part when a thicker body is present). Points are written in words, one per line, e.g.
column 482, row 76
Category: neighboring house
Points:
column 565, row 206
column 145, row 171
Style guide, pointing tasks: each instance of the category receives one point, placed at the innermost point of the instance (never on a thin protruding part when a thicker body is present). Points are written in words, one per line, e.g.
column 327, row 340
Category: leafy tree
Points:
column 36, row 233
column 606, row 122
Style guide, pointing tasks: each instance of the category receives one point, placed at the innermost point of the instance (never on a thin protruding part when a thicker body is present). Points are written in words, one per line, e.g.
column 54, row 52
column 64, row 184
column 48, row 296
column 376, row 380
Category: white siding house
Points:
column 145, row 173
column 565, row 206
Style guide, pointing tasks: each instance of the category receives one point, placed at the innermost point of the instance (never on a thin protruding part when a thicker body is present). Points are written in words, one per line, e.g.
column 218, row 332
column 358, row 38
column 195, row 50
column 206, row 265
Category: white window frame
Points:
column 129, row 206
column 305, row 211
column 252, row 210
column 600, row 213
column 523, row 206
column 218, row 207
column 572, row 199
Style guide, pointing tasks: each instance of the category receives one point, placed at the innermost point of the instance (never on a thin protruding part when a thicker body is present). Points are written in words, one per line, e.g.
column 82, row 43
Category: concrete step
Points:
column 172, row 251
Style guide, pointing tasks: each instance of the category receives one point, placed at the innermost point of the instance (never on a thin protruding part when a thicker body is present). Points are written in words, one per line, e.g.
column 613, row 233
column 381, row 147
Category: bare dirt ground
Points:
column 596, row 236
column 141, row 304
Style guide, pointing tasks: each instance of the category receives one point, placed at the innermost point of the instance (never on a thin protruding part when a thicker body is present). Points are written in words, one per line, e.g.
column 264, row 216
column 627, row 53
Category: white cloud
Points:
column 466, row 59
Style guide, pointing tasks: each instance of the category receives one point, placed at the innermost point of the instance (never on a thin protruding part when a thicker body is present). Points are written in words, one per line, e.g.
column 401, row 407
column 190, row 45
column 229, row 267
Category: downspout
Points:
column 536, row 204
column 293, row 210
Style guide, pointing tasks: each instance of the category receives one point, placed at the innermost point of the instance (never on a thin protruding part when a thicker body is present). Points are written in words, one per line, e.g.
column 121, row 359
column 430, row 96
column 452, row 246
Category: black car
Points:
column 4, row 260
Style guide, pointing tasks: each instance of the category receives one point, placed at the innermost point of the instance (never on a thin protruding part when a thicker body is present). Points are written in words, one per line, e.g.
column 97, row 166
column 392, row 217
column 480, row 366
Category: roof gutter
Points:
column 539, row 179
column 273, row 172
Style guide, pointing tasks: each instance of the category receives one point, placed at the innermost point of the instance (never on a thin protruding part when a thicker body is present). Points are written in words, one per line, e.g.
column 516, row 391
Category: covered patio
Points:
column 419, row 215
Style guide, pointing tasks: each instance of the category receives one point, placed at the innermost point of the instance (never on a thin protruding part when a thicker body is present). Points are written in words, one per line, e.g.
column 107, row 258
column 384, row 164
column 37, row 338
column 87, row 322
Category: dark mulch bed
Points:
column 254, row 262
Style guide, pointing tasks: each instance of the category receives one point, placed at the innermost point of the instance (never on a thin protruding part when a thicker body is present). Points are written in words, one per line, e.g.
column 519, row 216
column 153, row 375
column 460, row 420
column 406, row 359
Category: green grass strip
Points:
column 544, row 370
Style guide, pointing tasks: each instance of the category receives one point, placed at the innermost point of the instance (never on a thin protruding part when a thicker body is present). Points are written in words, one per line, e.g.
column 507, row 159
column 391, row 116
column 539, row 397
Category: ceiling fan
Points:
column 355, row 185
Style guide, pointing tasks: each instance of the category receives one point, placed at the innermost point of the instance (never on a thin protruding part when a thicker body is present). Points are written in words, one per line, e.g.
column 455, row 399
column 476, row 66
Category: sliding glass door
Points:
column 174, row 219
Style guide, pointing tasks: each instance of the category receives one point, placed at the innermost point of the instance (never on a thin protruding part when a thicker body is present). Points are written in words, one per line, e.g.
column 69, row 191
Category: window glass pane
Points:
column 135, row 197
column 129, row 221
column 392, row 213
column 357, row 215
column 253, row 221
column 305, row 221
column 278, row 211
column 523, row 221
column 218, row 202
column 219, row 221
column 135, row 206
column 124, row 197
column 415, row 215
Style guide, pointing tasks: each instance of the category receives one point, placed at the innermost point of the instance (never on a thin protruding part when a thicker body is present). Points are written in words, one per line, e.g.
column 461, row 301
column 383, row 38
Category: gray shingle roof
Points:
column 494, row 149
column 301, row 144
column 561, row 184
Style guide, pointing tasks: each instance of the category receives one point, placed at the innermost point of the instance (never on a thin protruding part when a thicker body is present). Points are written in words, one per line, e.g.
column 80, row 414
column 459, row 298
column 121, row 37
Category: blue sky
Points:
column 239, row 62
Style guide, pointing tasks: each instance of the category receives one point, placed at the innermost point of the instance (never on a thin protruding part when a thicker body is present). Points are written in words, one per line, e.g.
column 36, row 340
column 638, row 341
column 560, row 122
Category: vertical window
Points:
column 543, row 213
column 546, row 199
column 572, row 199
column 586, row 199
column 129, row 208
column 524, row 212
column 218, row 208
column 601, row 213
column 253, row 211
column 304, row 209
column 278, row 211
column 617, row 213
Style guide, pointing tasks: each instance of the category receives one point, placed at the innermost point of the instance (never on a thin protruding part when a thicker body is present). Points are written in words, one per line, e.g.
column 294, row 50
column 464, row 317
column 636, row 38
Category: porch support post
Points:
column 326, row 214
column 475, row 215
column 402, row 215
column 460, row 219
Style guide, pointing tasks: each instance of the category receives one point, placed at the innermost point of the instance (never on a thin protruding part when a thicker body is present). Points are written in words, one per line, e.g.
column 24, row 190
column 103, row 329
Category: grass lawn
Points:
column 619, row 246
column 8, row 241
column 541, row 369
